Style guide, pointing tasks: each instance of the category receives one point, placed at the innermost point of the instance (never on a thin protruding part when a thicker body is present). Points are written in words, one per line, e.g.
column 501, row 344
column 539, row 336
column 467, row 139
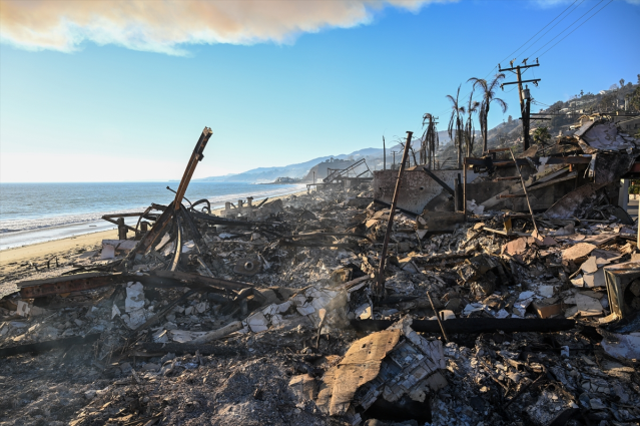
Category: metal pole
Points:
column 378, row 288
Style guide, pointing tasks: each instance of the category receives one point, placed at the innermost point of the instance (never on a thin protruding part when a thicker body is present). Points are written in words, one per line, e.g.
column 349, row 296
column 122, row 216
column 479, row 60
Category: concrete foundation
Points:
column 417, row 188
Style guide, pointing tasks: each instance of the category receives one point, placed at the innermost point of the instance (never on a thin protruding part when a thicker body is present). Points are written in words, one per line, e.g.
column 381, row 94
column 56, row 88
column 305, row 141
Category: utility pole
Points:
column 384, row 154
column 525, row 96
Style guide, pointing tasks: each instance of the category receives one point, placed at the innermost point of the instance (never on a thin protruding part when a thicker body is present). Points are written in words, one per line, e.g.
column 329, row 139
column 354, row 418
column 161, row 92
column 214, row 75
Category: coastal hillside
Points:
column 303, row 171
column 298, row 170
column 559, row 118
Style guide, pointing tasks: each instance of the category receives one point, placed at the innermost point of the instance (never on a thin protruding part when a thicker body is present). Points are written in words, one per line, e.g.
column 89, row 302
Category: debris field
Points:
column 337, row 307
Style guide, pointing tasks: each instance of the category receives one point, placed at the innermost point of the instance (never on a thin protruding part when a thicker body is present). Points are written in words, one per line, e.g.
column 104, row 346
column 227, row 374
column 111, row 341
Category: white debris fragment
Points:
column 108, row 252
column 306, row 309
column 363, row 311
column 23, row 309
column 546, row 291
column 135, row 297
column 257, row 322
column 161, row 336
column 520, row 307
column 472, row 307
column 502, row 313
column 623, row 346
column 201, row 307
column 526, row 295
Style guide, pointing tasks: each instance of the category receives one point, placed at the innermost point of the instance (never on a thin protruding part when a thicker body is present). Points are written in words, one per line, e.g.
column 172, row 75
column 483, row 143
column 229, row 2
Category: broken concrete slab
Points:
column 577, row 252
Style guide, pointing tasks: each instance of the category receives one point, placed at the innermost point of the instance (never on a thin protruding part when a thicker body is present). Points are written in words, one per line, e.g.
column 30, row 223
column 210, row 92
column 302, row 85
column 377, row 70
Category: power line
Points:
column 540, row 103
column 550, row 22
column 509, row 55
column 547, row 32
column 576, row 28
column 558, row 35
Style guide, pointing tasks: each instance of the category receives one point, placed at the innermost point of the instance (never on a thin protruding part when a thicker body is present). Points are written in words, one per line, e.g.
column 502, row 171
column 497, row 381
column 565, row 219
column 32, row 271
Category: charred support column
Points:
column 378, row 287
column 623, row 195
column 144, row 228
column 122, row 229
column 196, row 157
column 464, row 188
column 459, row 193
column 526, row 118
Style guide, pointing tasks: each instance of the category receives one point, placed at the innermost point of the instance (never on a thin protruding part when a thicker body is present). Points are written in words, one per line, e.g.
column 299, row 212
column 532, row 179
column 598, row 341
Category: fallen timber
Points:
column 189, row 348
column 89, row 281
column 475, row 325
column 48, row 345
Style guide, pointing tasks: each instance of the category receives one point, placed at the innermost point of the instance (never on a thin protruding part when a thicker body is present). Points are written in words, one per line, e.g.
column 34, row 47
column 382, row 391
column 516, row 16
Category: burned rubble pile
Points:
column 279, row 314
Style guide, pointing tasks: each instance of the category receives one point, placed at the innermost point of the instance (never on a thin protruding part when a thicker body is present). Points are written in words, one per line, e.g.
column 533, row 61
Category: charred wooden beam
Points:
column 215, row 220
column 474, row 325
column 70, row 284
column 48, row 345
column 186, row 348
column 196, row 157
column 189, row 279
column 524, row 161
column 89, row 281
column 150, row 238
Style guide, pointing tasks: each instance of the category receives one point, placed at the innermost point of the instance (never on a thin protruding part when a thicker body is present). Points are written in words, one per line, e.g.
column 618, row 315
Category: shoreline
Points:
column 27, row 237
column 86, row 241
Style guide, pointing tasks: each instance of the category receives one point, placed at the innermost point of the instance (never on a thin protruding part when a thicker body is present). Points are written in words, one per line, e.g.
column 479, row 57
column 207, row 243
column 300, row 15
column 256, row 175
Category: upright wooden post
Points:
column 122, row 229
column 378, row 289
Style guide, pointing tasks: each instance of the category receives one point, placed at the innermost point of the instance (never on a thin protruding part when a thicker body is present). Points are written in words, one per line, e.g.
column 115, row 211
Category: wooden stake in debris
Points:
column 378, row 287
column 322, row 313
column 524, row 188
column 444, row 335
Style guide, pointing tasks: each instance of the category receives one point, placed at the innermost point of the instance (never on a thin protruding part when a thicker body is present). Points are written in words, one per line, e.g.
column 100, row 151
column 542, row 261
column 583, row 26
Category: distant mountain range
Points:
column 373, row 157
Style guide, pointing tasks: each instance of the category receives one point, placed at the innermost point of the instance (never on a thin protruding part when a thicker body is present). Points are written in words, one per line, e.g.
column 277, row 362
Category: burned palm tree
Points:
column 430, row 141
column 488, row 96
column 469, row 128
column 456, row 123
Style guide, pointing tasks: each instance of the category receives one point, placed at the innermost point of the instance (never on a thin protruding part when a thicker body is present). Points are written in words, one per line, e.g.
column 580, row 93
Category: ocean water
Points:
column 36, row 212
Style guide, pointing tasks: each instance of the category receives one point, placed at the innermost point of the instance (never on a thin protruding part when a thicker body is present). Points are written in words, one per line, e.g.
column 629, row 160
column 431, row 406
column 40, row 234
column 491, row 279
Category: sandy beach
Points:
column 49, row 249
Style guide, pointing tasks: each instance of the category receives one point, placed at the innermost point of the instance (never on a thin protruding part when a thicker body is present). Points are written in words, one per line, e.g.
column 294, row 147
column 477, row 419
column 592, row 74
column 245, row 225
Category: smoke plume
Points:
column 168, row 25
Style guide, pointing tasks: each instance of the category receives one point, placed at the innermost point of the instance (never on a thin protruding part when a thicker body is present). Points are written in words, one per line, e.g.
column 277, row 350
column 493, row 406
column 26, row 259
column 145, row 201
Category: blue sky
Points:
column 84, row 111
